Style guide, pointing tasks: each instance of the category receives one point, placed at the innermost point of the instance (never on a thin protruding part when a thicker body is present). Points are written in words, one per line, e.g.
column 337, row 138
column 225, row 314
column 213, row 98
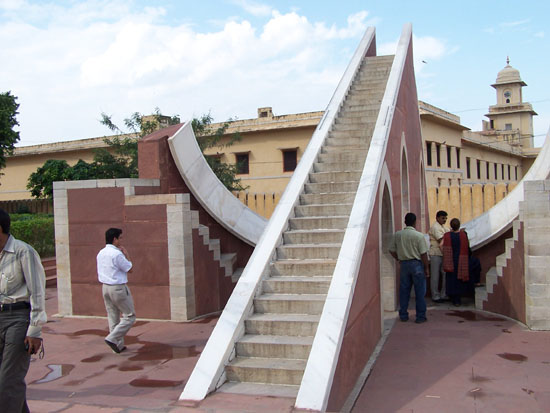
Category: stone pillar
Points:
column 443, row 198
column 537, row 261
column 488, row 196
column 443, row 154
column 466, row 203
column 434, row 154
column 454, row 203
column 477, row 200
column 453, row 164
column 432, row 204
column 500, row 191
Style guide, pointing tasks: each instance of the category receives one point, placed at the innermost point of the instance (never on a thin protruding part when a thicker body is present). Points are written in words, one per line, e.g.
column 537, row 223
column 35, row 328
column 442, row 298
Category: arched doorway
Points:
column 387, row 262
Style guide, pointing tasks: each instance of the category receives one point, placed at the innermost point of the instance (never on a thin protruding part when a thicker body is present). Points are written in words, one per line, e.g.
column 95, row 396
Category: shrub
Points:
column 36, row 230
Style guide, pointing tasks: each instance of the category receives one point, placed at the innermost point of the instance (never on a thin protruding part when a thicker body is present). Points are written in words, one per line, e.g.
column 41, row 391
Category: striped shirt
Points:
column 22, row 278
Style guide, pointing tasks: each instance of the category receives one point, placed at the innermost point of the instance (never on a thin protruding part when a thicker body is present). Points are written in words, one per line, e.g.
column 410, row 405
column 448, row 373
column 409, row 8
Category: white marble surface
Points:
column 492, row 223
column 318, row 376
column 224, row 207
column 208, row 370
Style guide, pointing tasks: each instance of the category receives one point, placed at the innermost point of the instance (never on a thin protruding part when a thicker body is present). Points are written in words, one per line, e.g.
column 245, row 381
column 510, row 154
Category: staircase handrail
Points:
column 208, row 373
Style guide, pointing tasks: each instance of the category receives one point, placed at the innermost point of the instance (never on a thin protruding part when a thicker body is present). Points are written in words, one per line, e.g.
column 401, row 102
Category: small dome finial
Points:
column 507, row 60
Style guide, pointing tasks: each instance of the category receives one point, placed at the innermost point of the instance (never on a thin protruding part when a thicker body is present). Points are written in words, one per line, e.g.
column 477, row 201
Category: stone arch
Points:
column 405, row 202
column 388, row 279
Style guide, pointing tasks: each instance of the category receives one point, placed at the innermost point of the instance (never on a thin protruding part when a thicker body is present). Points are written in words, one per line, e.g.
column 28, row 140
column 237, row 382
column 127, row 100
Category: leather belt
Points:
column 14, row 306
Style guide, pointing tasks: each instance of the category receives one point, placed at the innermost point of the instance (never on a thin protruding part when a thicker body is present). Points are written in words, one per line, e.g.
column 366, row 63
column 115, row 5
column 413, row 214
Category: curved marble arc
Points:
column 494, row 222
column 221, row 204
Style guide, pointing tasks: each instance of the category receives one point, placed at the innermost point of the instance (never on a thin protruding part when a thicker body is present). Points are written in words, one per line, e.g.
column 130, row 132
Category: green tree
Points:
column 41, row 182
column 8, row 137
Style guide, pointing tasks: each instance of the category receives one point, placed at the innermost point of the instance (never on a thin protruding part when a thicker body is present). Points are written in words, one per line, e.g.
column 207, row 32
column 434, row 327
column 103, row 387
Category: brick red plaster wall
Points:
column 91, row 213
column 508, row 297
column 211, row 289
column 363, row 329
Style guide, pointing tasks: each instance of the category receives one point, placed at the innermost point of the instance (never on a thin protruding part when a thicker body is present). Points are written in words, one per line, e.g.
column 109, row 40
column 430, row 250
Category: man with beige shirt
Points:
column 436, row 233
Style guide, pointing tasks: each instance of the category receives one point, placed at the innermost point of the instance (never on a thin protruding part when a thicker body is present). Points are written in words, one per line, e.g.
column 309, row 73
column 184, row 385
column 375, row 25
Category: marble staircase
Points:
column 271, row 356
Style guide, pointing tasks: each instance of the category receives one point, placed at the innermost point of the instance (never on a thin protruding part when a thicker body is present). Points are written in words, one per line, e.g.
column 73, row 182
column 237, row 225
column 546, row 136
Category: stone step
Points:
column 266, row 370
column 348, row 148
column 297, row 284
column 313, row 236
column 308, row 251
column 353, row 126
column 355, row 109
column 317, row 267
column 227, row 261
column 481, row 296
column 268, row 346
column 282, row 324
column 358, row 117
column 320, row 177
column 260, row 389
column 491, row 278
column 328, row 187
column 322, row 210
column 289, row 303
column 362, row 139
column 338, row 166
column 502, row 260
column 345, row 134
column 237, row 274
column 333, row 222
column 343, row 158
column 332, row 198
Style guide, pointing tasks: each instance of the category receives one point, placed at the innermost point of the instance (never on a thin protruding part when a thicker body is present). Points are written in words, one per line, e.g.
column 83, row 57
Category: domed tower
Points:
column 511, row 119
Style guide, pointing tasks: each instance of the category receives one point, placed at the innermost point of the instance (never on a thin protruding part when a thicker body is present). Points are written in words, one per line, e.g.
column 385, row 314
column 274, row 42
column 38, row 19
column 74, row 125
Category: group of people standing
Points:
column 446, row 261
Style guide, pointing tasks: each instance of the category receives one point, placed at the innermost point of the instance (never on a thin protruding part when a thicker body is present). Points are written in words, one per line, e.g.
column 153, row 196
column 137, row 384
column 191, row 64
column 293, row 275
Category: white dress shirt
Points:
column 112, row 266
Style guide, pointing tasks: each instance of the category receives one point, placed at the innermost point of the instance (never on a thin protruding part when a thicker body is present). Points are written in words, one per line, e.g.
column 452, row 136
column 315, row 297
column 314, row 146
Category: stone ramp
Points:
column 299, row 278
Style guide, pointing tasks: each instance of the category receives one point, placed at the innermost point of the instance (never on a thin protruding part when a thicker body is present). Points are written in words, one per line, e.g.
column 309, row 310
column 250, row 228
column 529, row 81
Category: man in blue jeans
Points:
column 410, row 248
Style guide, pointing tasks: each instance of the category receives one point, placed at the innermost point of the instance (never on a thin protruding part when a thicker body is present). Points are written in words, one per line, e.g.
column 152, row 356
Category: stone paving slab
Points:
column 461, row 360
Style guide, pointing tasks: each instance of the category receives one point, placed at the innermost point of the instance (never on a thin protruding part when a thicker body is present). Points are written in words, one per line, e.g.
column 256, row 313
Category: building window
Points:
column 468, row 174
column 496, row 171
column 242, row 163
column 492, row 124
column 438, row 154
column 502, row 170
column 487, row 169
column 509, row 173
column 458, row 158
column 508, row 126
column 429, row 153
column 516, row 173
column 448, row 156
column 290, row 160
column 478, row 164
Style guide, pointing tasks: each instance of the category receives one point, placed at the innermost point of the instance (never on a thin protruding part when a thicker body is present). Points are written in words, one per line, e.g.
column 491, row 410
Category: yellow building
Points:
column 466, row 171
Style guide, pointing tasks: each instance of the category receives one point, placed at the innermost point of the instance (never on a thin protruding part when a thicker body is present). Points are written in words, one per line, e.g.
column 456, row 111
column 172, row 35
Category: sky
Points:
column 68, row 61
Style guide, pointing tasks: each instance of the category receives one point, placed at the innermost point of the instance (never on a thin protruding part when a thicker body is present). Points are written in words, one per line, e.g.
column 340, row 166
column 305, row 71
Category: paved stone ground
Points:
column 459, row 361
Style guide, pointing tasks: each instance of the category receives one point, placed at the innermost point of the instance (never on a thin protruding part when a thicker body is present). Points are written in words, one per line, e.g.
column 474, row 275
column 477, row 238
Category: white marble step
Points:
column 282, row 324
column 296, row 284
column 289, row 303
column 308, row 251
column 272, row 346
column 316, row 267
column 321, row 210
column 266, row 370
column 260, row 389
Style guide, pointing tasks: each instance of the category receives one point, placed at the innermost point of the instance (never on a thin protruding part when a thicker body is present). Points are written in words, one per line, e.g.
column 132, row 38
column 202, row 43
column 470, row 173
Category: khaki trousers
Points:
column 120, row 312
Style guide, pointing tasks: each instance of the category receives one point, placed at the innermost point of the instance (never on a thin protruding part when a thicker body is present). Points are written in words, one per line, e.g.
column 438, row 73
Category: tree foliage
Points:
column 8, row 137
column 120, row 159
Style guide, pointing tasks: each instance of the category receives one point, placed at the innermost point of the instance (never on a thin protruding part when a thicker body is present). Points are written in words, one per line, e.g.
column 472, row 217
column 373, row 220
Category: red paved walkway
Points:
column 460, row 361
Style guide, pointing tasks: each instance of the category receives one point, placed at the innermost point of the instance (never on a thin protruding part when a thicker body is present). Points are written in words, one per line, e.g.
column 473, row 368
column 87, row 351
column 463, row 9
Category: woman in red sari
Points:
column 455, row 247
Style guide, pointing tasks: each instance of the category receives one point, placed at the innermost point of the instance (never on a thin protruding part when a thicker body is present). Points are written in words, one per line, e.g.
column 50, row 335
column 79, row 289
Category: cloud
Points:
column 254, row 8
column 515, row 23
column 539, row 34
column 110, row 56
column 425, row 50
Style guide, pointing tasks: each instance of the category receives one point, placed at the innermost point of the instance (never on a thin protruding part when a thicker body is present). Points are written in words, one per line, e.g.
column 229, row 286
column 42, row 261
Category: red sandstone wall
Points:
column 363, row 329
column 91, row 213
column 508, row 296
column 212, row 287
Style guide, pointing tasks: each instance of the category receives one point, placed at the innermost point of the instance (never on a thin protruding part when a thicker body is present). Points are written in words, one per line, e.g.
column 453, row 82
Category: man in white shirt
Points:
column 436, row 233
column 22, row 314
column 113, row 266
